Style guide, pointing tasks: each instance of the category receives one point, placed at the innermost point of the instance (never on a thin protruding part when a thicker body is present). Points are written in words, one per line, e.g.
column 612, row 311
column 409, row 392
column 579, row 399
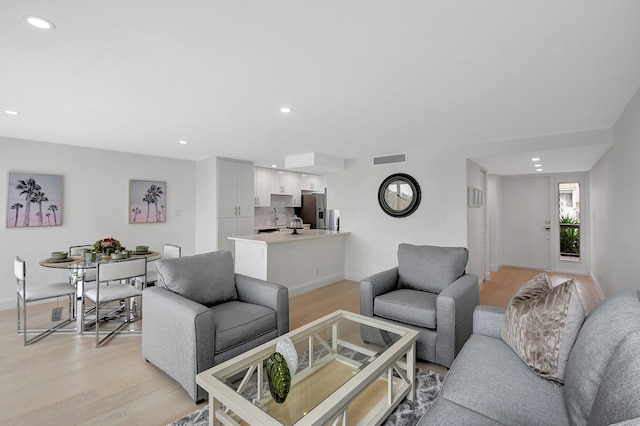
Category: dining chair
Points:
column 27, row 294
column 170, row 251
column 115, row 284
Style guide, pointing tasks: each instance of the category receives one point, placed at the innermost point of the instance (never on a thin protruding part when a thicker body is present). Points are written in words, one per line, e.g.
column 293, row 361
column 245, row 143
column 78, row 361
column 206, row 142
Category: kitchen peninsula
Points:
column 302, row 262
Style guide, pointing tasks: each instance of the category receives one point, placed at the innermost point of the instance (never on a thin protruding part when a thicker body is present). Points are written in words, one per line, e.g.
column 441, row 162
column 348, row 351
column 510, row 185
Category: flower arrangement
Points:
column 107, row 245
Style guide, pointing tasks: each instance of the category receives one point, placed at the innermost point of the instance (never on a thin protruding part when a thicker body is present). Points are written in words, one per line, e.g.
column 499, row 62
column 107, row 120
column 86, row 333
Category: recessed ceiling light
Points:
column 183, row 142
column 9, row 112
column 535, row 159
column 539, row 170
column 38, row 22
column 285, row 110
column 537, row 165
column 274, row 165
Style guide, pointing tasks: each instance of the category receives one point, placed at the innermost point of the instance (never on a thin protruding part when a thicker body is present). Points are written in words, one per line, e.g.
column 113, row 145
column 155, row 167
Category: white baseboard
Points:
column 598, row 286
column 313, row 285
column 6, row 304
column 354, row 277
column 495, row 267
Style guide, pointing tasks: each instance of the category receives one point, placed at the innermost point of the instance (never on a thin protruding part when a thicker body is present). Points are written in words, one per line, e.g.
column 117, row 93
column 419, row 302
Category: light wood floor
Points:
column 64, row 380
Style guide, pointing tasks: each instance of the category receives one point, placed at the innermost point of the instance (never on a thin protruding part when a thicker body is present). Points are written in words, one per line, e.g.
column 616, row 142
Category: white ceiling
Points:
column 362, row 77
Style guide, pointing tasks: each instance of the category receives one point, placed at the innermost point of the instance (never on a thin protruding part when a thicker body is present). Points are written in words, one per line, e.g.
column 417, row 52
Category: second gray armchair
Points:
column 428, row 291
column 201, row 313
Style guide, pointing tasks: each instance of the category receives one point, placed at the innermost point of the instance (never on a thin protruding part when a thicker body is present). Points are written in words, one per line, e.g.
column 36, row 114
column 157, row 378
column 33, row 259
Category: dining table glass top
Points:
column 81, row 263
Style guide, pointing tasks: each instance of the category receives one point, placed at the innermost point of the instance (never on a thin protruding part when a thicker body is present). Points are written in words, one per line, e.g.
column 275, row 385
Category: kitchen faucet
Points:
column 275, row 214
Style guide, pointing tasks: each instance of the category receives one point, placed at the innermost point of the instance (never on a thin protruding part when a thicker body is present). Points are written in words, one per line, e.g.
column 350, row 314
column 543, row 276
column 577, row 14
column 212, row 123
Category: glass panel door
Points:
column 569, row 208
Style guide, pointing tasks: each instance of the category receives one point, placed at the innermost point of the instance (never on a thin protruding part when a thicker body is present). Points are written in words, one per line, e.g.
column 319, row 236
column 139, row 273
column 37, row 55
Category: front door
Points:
column 526, row 228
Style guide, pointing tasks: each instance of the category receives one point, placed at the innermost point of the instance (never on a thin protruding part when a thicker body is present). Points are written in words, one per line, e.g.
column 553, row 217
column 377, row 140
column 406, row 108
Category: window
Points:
column 569, row 208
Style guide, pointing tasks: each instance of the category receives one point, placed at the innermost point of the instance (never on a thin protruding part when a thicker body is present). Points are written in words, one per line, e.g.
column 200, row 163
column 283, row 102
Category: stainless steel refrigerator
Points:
column 313, row 210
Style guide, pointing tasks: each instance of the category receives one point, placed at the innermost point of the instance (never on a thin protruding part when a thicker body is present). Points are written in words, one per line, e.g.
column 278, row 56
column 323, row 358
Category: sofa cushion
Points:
column 444, row 410
column 407, row 306
column 541, row 324
column 489, row 378
column 204, row 278
column 430, row 268
column 618, row 396
column 238, row 322
column 603, row 334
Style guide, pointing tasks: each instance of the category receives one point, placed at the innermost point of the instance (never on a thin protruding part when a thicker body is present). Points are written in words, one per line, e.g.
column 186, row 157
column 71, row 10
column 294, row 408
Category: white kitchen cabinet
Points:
column 312, row 183
column 296, row 184
column 280, row 181
column 233, row 227
column 235, row 189
column 262, row 186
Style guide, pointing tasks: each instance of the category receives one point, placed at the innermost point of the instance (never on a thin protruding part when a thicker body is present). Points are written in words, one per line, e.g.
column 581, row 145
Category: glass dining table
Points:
column 78, row 268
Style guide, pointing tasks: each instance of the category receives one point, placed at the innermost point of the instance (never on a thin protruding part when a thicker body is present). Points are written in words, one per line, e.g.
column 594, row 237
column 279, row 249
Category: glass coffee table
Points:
column 340, row 378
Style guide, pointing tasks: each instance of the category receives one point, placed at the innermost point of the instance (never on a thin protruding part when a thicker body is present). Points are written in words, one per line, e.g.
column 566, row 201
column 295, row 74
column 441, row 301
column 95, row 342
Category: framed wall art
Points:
column 34, row 200
column 147, row 201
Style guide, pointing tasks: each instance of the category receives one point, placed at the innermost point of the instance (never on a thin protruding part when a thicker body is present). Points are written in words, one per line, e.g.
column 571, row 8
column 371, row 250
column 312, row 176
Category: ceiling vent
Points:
column 388, row 159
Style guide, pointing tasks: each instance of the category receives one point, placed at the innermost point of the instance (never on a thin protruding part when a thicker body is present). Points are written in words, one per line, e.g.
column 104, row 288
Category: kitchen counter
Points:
column 302, row 262
column 277, row 227
column 286, row 236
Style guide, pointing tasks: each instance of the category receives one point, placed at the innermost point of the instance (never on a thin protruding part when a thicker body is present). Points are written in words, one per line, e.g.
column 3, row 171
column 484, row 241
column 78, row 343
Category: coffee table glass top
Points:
column 328, row 357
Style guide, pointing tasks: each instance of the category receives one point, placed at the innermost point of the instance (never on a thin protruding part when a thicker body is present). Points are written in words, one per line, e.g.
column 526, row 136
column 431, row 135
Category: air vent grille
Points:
column 388, row 159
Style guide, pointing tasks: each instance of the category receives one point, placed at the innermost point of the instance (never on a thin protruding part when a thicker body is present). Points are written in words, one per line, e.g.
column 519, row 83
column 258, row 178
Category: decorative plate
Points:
column 66, row 259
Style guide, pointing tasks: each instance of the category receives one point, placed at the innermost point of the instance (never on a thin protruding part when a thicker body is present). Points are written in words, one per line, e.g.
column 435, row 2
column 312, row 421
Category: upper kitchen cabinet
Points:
column 235, row 189
column 262, row 187
column 235, row 201
column 281, row 182
column 312, row 183
column 296, row 198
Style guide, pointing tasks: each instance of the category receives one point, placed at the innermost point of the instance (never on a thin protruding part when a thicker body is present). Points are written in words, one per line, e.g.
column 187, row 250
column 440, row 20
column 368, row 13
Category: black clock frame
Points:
column 415, row 200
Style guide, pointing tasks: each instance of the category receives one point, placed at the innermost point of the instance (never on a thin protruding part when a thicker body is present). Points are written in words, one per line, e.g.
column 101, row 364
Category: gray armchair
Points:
column 201, row 313
column 428, row 291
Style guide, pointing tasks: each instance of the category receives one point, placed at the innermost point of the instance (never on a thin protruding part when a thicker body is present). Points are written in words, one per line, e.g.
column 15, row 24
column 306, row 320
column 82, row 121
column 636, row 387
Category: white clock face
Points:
column 398, row 195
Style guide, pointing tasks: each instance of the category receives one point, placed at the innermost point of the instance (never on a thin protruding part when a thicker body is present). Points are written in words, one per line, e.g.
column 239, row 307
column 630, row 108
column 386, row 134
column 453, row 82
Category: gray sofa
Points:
column 488, row 383
column 201, row 313
column 428, row 291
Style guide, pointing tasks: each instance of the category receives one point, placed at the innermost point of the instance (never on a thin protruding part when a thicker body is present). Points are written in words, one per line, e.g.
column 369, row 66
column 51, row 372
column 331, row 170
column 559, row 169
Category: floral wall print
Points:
column 147, row 201
column 34, row 200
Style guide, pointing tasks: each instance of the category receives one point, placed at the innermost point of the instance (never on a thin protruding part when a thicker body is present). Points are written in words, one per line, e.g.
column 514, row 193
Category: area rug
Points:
column 428, row 385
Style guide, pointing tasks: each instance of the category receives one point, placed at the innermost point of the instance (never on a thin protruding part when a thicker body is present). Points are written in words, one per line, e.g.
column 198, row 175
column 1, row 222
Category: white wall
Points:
column 475, row 217
column 206, row 206
column 439, row 220
column 95, row 204
column 494, row 213
column 615, row 206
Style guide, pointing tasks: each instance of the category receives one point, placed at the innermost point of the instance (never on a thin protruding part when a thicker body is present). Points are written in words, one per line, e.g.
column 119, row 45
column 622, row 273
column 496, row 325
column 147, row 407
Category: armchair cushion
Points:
column 239, row 322
column 408, row 306
column 206, row 278
column 430, row 268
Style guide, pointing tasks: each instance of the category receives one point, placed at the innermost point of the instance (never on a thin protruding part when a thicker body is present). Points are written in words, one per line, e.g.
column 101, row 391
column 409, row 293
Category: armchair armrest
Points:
column 268, row 294
column 454, row 310
column 487, row 320
column 178, row 337
column 375, row 285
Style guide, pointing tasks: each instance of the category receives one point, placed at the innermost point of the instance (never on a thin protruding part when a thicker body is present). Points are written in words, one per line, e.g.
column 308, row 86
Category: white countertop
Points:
column 286, row 236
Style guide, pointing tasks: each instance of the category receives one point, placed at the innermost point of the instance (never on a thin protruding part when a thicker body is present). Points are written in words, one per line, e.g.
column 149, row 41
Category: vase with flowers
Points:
column 107, row 246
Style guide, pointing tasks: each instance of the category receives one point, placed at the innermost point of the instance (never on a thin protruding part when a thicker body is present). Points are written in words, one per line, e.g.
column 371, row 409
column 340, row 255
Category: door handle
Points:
column 547, row 225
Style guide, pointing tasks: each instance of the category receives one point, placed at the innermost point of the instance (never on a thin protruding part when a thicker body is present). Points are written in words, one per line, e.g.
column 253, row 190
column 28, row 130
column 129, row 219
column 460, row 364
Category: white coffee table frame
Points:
column 398, row 358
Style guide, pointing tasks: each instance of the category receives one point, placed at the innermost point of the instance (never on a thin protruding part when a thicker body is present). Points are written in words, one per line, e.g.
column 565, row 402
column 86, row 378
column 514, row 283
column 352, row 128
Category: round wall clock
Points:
column 399, row 195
